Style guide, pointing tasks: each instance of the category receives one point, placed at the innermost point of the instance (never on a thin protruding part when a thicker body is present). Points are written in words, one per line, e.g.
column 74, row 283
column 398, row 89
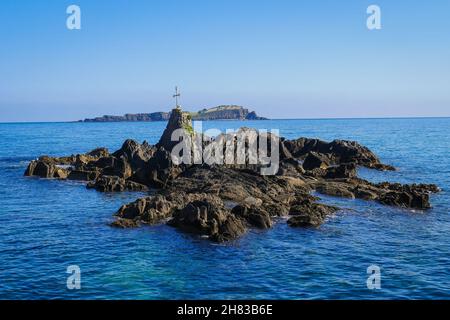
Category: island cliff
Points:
column 221, row 202
column 230, row 112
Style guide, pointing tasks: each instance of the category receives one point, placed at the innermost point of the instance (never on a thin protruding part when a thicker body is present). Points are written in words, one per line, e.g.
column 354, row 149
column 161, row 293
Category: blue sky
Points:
column 284, row 59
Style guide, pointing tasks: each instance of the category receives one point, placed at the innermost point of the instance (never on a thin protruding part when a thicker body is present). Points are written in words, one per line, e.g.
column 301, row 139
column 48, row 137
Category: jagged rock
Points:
column 253, row 215
column 136, row 154
column 365, row 193
column 149, row 210
column 60, row 173
column 394, row 194
column 45, row 169
column 238, row 185
column 115, row 167
column 208, row 218
column 98, row 153
column 315, row 160
column 291, row 167
column 160, row 169
column 114, row 183
column 338, row 152
column 307, row 213
column 406, row 196
column 335, row 189
column 83, row 175
column 153, row 209
column 341, row 171
column 178, row 120
column 40, row 169
column 58, row 160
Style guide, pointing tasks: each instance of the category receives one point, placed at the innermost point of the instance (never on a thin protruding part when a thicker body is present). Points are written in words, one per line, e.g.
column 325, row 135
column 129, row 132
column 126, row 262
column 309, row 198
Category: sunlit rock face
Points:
column 178, row 120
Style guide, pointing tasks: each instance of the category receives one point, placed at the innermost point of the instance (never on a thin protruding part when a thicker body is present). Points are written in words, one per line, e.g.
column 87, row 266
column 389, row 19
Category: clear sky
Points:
column 284, row 59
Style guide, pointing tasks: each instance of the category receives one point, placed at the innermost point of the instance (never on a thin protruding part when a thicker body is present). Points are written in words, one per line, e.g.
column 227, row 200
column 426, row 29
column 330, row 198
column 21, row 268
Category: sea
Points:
column 48, row 226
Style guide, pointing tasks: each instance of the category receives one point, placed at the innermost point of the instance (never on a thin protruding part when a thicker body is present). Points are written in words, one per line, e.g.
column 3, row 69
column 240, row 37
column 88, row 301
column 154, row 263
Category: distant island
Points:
column 225, row 112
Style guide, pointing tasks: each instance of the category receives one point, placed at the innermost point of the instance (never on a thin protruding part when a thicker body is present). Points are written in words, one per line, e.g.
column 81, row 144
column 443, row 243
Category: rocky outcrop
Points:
column 307, row 213
column 114, row 184
column 135, row 154
column 394, row 194
column 44, row 169
column 336, row 152
column 222, row 201
column 83, row 175
column 178, row 120
column 208, row 218
column 316, row 160
column 254, row 216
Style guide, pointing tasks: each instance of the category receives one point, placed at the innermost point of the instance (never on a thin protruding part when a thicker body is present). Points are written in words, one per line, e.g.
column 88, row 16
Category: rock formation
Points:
column 178, row 120
column 221, row 202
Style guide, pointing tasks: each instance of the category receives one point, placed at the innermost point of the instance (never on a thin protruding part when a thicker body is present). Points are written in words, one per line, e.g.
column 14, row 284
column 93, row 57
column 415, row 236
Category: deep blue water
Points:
column 47, row 225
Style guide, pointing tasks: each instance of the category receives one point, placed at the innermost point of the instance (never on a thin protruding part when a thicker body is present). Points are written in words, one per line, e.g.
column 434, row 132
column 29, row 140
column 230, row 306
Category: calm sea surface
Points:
column 47, row 225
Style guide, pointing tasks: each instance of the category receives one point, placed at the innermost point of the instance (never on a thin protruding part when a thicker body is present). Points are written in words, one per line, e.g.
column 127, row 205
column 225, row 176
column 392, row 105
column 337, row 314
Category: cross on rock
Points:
column 176, row 96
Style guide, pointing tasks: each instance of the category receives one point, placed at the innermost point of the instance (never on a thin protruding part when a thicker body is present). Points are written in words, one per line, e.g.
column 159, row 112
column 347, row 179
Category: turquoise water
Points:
column 47, row 225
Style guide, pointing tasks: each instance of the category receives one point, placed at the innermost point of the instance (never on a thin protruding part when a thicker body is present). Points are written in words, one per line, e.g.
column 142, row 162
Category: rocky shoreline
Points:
column 222, row 202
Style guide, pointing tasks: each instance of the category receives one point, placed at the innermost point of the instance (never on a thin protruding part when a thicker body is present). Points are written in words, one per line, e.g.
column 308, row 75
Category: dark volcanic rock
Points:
column 341, row 171
column 114, row 167
column 136, row 154
column 149, row 210
column 336, row 189
column 315, row 160
column 338, row 152
column 407, row 196
column 114, row 183
column 253, row 215
column 83, row 175
column 291, row 167
column 238, row 186
column 208, row 218
column 394, row 194
column 98, row 153
column 307, row 213
column 159, row 169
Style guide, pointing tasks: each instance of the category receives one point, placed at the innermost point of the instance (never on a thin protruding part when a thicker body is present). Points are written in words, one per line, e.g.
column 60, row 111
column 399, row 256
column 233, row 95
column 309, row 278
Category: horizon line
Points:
column 269, row 119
